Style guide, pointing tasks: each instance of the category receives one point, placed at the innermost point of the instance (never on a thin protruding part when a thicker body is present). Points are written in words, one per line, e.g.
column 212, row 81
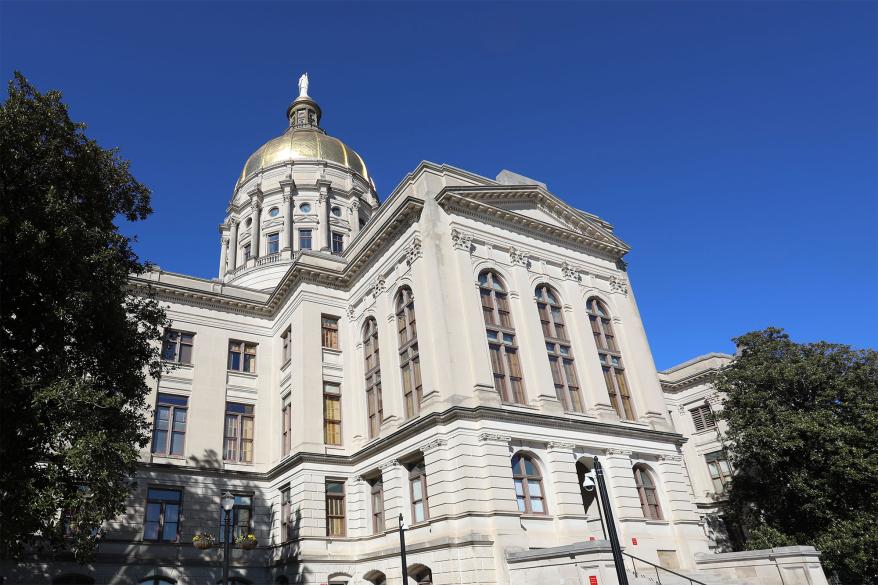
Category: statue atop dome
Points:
column 303, row 85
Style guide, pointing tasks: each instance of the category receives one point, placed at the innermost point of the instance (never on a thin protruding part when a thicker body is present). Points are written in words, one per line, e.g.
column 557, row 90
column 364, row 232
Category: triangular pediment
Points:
column 532, row 209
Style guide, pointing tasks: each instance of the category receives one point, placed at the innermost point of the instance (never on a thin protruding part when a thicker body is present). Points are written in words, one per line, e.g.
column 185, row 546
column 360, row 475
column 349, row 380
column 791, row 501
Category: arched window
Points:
column 374, row 404
column 409, row 361
column 646, row 490
column 528, row 485
column 157, row 580
column 610, row 357
column 422, row 575
column 558, row 347
column 588, row 496
column 501, row 338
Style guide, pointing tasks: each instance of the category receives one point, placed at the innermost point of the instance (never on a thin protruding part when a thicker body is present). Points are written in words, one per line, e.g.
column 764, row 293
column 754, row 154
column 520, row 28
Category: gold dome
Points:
column 304, row 144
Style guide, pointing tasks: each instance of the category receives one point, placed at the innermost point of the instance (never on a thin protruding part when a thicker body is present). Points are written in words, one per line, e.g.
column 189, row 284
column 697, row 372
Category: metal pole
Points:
column 611, row 524
column 402, row 551
column 226, row 550
column 601, row 515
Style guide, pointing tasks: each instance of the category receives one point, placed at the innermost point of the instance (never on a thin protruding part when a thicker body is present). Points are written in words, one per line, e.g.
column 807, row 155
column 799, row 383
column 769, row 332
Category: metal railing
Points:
column 653, row 569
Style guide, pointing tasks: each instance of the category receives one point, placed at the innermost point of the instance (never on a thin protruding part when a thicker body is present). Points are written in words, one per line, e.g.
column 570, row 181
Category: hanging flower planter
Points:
column 247, row 542
column 203, row 540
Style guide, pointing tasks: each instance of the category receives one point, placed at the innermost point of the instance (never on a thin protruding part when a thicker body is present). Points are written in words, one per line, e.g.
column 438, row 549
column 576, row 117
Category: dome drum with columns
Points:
column 303, row 191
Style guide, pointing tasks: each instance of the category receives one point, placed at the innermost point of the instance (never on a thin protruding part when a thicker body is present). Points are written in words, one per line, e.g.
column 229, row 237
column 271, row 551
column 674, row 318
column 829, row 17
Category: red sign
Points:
column 591, row 537
column 634, row 541
column 592, row 580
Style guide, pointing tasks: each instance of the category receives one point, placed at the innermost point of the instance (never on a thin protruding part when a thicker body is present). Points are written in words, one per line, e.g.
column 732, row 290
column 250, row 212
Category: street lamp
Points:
column 590, row 485
column 611, row 523
column 228, row 503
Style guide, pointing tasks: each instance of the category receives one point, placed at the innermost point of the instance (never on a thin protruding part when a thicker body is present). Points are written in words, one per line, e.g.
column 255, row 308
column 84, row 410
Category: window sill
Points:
column 517, row 405
column 532, row 516
column 332, row 350
column 178, row 364
column 658, row 522
column 170, row 458
column 240, row 373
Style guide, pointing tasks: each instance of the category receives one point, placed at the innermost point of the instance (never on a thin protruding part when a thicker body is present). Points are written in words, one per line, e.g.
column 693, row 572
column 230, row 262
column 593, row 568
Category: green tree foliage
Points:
column 803, row 427
column 75, row 345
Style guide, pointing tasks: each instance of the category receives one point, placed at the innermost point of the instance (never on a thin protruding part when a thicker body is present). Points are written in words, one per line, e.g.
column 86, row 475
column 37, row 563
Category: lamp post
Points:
column 402, row 529
column 590, row 484
column 611, row 524
column 228, row 502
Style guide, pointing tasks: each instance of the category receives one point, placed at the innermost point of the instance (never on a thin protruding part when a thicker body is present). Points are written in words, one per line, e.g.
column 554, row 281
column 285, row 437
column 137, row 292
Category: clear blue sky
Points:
column 733, row 144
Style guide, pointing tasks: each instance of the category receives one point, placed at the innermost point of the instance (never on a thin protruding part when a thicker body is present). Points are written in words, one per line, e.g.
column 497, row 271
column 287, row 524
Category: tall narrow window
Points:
column 241, row 517
column 329, row 331
column 238, row 444
column 610, row 358
column 377, row 490
column 169, row 429
column 337, row 243
column 331, row 413
column 247, row 250
column 286, row 426
column 720, row 471
column 409, row 359
column 374, row 403
column 304, row 239
column 501, row 338
column 418, row 488
column 558, row 347
column 646, row 490
column 286, row 339
column 702, row 418
column 273, row 243
column 528, row 485
column 335, row 508
column 177, row 346
column 242, row 356
column 286, row 512
column 162, row 523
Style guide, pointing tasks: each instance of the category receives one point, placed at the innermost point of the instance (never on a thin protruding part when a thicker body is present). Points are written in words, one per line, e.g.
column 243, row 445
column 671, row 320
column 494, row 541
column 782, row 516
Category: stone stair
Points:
column 664, row 578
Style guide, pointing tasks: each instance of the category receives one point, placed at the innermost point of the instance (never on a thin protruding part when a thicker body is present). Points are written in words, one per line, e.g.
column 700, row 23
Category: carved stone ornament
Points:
column 671, row 458
column 355, row 205
column 413, row 252
column 486, row 437
column 619, row 285
column 618, row 452
column 379, row 287
column 351, row 312
column 570, row 273
column 560, row 446
column 434, row 444
column 518, row 258
column 389, row 465
column 461, row 240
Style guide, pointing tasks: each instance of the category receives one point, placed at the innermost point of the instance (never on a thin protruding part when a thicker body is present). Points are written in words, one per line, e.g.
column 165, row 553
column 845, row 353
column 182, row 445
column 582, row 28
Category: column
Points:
column 393, row 475
column 288, row 222
column 224, row 249
column 355, row 217
column 561, row 461
column 254, row 228
column 441, row 480
column 233, row 259
column 324, row 233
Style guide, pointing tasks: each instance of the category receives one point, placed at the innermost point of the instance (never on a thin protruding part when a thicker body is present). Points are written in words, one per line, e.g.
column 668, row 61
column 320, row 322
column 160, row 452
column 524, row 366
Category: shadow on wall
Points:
column 289, row 570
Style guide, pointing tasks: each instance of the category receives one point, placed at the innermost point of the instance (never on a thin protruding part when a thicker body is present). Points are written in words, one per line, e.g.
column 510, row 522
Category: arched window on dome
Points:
column 501, row 338
column 610, row 357
column 649, row 502
column 409, row 359
column 558, row 347
column 374, row 403
column 528, row 485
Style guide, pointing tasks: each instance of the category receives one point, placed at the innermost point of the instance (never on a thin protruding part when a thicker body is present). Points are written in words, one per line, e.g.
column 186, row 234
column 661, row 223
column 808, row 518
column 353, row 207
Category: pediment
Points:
column 532, row 209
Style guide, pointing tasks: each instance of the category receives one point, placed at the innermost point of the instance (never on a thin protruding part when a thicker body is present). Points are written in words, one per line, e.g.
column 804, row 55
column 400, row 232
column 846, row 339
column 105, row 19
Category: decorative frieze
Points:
column 437, row 443
column 670, row 458
column 619, row 285
column 560, row 446
column 570, row 273
column 388, row 465
column 618, row 453
column 518, row 258
column 351, row 312
column 378, row 287
column 413, row 252
column 461, row 240
column 489, row 437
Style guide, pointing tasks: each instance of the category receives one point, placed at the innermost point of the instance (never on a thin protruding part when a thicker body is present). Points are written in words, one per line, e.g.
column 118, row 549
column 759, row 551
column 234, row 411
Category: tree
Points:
column 803, row 427
column 75, row 344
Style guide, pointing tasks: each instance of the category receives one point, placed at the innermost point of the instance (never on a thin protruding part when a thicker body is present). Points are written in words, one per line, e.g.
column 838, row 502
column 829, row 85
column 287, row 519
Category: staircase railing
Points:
column 654, row 568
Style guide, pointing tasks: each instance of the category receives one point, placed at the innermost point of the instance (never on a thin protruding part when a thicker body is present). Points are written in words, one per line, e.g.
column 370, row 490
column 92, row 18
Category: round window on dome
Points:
column 305, row 208
column 336, row 211
column 273, row 211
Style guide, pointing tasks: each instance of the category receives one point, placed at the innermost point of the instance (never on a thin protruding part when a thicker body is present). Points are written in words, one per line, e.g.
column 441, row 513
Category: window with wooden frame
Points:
column 702, row 418
column 649, row 502
column 239, row 432
column 169, row 428
column 304, row 239
column 528, row 485
column 329, row 331
column 286, row 427
column 286, row 340
column 720, row 471
column 409, row 359
column 272, row 243
column 335, row 508
column 337, row 243
column 247, row 252
column 177, row 346
column 286, row 515
column 242, row 356
column 377, row 497
column 558, row 348
column 501, row 338
column 610, row 357
column 418, row 492
column 374, row 402
column 162, row 522
column 331, row 413
column 240, row 518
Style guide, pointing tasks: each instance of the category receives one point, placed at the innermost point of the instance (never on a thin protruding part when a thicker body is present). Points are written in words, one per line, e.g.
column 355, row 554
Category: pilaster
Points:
column 393, row 476
column 441, row 477
column 561, row 461
column 620, row 482
column 356, row 507
column 676, row 489
column 233, row 257
column 496, row 470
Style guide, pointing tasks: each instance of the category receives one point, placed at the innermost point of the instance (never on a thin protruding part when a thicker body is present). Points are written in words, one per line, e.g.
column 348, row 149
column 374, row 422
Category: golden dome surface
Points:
column 304, row 144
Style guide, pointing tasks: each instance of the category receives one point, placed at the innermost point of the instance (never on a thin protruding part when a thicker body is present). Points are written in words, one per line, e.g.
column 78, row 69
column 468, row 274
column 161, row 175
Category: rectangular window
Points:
column 331, row 414
column 238, row 443
column 240, row 518
column 702, row 418
column 720, row 471
column 377, row 486
column 162, row 523
column 337, row 243
column 242, row 356
column 335, row 508
column 286, row 513
column 286, row 339
column 329, row 331
column 304, row 239
column 273, row 241
column 246, row 252
column 287, row 423
column 418, row 485
column 169, row 428
column 177, row 346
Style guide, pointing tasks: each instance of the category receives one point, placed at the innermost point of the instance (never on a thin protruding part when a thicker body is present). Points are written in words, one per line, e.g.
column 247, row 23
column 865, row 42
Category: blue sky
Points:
column 733, row 144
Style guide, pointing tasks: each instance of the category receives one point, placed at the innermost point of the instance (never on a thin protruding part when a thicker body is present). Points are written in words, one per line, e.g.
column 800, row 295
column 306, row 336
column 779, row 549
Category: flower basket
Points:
column 203, row 540
column 247, row 542
column 203, row 544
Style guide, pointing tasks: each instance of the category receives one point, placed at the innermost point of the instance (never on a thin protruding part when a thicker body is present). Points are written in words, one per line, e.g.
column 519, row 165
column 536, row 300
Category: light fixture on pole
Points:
column 228, row 503
column 590, row 486
column 402, row 528
column 611, row 524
